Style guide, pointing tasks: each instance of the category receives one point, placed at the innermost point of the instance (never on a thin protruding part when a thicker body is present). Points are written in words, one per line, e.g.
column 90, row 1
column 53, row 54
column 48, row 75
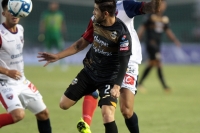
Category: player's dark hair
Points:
column 4, row 4
column 107, row 5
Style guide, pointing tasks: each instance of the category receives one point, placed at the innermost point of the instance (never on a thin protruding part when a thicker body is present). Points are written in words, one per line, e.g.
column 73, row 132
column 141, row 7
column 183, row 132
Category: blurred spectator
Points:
column 154, row 26
column 53, row 30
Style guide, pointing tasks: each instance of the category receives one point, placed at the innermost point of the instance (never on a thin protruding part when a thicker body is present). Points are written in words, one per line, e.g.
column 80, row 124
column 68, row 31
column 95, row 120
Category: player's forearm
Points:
column 152, row 7
column 140, row 31
column 74, row 48
column 172, row 37
column 3, row 70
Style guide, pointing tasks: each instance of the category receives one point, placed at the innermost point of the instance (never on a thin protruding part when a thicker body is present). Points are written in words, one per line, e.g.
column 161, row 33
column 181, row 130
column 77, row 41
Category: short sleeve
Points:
column 133, row 8
column 125, row 45
column 166, row 22
column 88, row 34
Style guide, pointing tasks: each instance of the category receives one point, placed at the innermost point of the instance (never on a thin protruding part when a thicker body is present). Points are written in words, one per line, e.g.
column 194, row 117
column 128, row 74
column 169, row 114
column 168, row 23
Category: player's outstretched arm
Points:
column 152, row 7
column 172, row 37
column 73, row 49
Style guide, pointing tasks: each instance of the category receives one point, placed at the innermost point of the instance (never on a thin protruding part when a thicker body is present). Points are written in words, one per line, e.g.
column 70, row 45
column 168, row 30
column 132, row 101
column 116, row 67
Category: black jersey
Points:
column 110, row 42
column 155, row 26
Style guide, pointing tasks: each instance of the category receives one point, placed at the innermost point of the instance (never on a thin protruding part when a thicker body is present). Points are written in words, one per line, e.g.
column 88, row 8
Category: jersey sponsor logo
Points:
column 16, row 62
column 10, row 96
column 130, row 70
column 124, row 44
column 100, row 51
column 10, row 40
column 129, row 79
column 32, row 87
column 75, row 81
column 3, row 83
column 16, row 55
column 99, row 41
column 6, row 90
column 18, row 105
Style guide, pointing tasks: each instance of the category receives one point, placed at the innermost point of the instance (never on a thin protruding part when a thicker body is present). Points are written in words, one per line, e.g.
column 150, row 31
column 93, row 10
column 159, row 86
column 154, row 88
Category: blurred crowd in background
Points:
column 74, row 17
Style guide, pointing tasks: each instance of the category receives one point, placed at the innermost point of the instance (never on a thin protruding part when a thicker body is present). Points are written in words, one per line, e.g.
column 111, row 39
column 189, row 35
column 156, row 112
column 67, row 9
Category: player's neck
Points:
column 10, row 27
column 109, row 21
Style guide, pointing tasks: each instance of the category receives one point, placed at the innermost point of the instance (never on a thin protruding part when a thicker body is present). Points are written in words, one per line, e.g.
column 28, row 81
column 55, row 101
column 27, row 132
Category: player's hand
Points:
column 156, row 5
column 14, row 74
column 115, row 91
column 47, row 57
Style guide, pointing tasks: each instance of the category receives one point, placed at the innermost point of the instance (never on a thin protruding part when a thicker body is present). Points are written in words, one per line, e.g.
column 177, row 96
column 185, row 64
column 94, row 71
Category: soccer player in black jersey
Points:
column 154, row 26
column 104, row 65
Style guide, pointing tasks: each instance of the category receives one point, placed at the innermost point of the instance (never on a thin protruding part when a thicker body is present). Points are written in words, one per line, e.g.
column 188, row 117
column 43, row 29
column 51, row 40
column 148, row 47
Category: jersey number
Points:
column 107, row 90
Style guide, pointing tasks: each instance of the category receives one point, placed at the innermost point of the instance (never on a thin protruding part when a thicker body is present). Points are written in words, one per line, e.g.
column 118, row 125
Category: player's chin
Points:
column 15, row 20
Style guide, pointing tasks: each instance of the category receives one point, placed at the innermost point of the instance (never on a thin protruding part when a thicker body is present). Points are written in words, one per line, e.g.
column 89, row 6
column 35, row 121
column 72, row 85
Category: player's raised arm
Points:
column 73, row 49
column 152, row 7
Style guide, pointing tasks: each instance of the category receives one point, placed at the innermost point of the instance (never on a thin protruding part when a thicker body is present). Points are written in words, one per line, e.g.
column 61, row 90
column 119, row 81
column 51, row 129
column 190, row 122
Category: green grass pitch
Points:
column 158, row 112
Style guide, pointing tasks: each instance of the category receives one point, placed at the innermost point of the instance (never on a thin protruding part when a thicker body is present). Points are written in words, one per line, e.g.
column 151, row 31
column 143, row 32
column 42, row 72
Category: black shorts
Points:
column 153, row 52
column 83, row 85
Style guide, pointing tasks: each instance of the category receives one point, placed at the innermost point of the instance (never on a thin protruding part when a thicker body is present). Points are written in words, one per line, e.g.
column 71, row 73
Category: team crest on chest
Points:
column 113, row 35
column 9, row 96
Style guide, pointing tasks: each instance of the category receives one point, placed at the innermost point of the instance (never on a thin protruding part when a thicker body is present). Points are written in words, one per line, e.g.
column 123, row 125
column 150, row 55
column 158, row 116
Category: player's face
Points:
column 163, row 6
column 10, row 19
column 98, row 15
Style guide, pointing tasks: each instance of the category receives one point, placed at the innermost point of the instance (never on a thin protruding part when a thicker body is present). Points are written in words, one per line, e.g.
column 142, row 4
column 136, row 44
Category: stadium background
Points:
column 158, row 112
column 184, row 17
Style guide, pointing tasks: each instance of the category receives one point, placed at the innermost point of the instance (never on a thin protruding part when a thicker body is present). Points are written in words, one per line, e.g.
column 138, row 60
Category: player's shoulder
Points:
column 20, row 27
column 3, row 30
column 120, row 26
column 165, row 19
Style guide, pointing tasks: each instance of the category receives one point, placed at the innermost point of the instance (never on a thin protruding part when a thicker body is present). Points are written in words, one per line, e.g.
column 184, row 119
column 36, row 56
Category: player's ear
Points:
column 106, row 14
column 3, row 13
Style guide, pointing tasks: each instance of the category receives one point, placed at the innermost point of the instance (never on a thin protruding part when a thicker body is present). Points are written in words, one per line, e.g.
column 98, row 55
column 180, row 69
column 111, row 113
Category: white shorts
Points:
column 131, row 77
column 21, row 94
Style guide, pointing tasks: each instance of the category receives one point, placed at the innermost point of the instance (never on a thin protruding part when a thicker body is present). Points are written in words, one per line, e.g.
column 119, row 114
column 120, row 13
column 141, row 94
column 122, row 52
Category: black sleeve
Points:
column 123, row 61
column 147, row 20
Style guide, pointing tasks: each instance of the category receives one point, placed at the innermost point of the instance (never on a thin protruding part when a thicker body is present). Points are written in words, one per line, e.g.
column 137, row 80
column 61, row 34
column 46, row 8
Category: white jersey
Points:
column 126, row 10
column 11, row 56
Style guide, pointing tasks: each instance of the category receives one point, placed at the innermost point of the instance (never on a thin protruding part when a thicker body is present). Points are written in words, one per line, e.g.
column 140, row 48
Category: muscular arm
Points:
column 172, row 37
column 152, row 7
column 74, row 48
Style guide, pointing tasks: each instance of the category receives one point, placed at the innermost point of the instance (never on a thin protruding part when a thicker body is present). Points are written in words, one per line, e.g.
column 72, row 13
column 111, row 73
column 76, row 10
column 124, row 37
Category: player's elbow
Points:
column 64, row 107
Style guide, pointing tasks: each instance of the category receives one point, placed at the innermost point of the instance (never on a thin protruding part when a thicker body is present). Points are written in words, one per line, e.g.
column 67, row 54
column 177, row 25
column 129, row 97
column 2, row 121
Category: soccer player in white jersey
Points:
column 16, row 92
column 126, row 10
